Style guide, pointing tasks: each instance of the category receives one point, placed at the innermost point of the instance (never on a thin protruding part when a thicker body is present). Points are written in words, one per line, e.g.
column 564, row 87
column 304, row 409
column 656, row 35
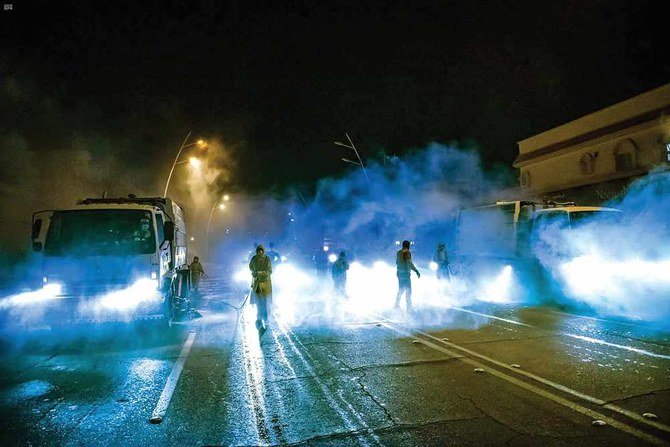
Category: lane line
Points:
column 558, row 386
column 614, row 345
column 491, row 316
column 597, row 319
column 567, row 334
column 164, row 401
column 532, row 388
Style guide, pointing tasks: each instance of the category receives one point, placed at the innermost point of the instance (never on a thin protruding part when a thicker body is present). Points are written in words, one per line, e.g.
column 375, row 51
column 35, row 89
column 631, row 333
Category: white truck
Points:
column 492, row 238
column 112, row 259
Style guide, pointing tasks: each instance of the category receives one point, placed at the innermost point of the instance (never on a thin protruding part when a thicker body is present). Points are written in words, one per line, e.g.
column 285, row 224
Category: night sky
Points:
column 277, row 82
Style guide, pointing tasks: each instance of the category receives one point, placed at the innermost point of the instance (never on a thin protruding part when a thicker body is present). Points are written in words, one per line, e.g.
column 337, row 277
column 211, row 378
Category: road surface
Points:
column 482, row 375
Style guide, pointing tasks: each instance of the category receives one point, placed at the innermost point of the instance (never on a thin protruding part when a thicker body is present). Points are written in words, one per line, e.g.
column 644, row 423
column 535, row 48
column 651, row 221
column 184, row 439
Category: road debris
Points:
column 416, row 342
column 598, row 423
column 479, row 370
column 649, row 416
column 515, row 365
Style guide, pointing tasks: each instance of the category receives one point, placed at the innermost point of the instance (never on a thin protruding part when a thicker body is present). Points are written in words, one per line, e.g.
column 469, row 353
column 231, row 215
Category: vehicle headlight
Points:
column 51, row 290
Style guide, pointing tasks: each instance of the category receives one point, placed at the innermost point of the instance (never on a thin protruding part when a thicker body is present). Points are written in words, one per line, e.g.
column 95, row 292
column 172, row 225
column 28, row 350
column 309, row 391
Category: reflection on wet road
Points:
column 486, row 374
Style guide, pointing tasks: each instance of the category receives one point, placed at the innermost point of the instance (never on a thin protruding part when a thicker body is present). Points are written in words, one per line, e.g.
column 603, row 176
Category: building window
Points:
column 623, row 161
column 587, row 164
column 525, row 179
column 667, row 152
column 625, row 156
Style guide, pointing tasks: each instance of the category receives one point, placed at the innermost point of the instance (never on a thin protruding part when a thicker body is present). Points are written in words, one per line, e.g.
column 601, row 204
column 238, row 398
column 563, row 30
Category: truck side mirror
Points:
column 37, row 227
column 37, row 246
column 168, row 230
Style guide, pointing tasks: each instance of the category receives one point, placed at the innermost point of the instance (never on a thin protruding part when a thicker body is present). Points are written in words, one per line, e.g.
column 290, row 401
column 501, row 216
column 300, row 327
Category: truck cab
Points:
column 571, row 216
column 511, row 235
column 496, row 231
column 112, row 259
column 563, row 218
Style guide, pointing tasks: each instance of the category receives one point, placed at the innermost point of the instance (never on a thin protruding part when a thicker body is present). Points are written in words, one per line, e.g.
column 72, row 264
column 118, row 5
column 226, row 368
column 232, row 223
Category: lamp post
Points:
column 357, row 163
column 193, row 161
column 217, row 205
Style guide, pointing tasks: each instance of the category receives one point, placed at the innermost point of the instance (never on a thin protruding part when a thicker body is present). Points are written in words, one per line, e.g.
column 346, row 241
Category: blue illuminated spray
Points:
column 416, row 198
column 617, row 268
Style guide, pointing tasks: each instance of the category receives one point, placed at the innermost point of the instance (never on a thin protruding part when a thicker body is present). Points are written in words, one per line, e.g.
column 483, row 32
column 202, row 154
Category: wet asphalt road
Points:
column 485, row 375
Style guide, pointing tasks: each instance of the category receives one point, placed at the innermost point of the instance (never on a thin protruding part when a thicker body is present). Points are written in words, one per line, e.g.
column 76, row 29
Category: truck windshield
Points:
column 600, row 216
column 100, row 232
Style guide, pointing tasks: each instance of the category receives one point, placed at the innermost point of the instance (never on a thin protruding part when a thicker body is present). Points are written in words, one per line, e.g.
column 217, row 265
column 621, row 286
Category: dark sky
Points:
column 279, row 81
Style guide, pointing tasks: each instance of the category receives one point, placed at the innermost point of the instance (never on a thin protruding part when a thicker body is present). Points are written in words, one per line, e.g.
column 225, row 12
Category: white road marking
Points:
column 491, row 316
column 555, row 385
column 558, row 399
column 164, row 401
column 614, row 345
column 567, row 334
column 596, row 319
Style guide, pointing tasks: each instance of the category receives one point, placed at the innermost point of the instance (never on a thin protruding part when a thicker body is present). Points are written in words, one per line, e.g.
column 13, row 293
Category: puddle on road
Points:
column 27, row 390
column 146, row 369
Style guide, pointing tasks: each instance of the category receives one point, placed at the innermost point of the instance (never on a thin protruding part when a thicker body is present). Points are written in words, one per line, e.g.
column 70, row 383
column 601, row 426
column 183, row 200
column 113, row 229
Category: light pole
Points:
column 220, row 206
column 194, row 161
column 359, row 162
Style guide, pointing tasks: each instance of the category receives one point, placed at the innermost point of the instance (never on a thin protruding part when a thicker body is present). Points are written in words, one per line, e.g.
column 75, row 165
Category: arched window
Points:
column 587, row 164
column 625, row 155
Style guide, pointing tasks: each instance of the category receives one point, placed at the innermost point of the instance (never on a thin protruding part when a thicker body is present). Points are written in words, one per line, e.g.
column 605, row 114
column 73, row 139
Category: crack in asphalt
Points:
column 359, row 380
column 650, row 393
column 519, row 433
column 405, row 364
column 486, row 414
column 315, row 364
column 27, row 370
column 384, row 429
column 333, row 436
column 509, row 441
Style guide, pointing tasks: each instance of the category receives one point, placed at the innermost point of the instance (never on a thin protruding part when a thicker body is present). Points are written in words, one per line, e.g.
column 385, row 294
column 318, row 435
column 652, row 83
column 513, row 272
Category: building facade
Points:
column 594, row 158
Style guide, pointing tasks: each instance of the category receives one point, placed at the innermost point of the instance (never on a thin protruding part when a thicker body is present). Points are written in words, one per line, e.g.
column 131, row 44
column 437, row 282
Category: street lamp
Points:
column 346, row 160
column 193, row 161
column 217, row 205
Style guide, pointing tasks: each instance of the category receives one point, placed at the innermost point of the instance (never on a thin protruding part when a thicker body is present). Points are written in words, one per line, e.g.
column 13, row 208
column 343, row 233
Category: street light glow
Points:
column 202, row 143
column 226, row 197
column 222, row 206
column 194, row 162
